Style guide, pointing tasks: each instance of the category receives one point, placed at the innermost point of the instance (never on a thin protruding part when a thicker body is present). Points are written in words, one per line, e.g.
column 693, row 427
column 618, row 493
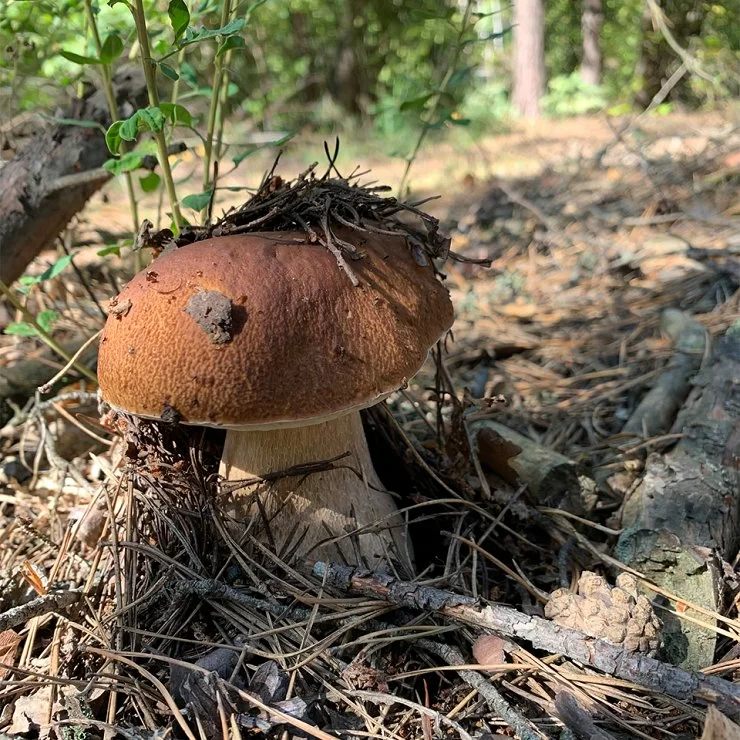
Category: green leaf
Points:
column 168, row 71
column 73, row 122
column 149, row 183
column 111, row 3
column 50, row 272
column 78, row 58
column 179, row 17
column 55, row 269
column 113, row 137
column 129, row 128
column 128, row 162
column 251, row 8
column 152, row 118
column 112, row 249
column 197, row 202
column 193, row 37
column 21, row 329
column 239, row 158
column 431, row 15
column 176, row 113
column 233, row 42
column 416, row 103
column 189, row 74
column 112, row 49
column 461, row 75
column 46, row 319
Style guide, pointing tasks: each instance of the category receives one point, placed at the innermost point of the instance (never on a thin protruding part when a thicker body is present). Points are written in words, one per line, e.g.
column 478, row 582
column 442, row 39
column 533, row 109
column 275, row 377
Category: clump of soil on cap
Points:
column 211, row 310
column 320, row 205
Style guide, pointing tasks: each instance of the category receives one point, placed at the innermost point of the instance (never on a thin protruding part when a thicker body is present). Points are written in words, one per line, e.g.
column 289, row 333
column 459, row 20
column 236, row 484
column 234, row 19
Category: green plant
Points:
column 42, row 324
column 569, row 95
column 485, row 104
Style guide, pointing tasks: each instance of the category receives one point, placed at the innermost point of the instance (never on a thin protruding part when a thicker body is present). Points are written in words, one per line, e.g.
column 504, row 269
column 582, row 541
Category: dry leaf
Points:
column 9, row 641
column 90, row 526
column 30, row 712
column 718, row 727
column 517, row 310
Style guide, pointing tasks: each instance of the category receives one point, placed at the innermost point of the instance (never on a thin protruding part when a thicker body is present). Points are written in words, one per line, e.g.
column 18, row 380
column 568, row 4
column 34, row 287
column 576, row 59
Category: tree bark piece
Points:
column 657, row 410
column 33, row 211
column 541, row 634
column 687, row 506
column 552, row 479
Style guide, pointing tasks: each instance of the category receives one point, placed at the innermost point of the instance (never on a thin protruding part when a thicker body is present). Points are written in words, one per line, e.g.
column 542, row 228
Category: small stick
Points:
column 46, row 387
column 577, row 719
column 37, row 607
column 496, row 703
column 377, row 697
column 542, row 634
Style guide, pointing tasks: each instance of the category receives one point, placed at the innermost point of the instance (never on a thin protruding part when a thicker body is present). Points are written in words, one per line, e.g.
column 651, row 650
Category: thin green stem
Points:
column 427, row 124
column 44, row 335
column 150, row 69
column 176, row 85
column 110, row 97
column 173, row 99
column 218, row 76
column 222, row 107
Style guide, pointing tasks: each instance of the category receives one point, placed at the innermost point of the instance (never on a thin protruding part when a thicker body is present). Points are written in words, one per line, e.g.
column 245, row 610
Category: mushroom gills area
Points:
column 324, row 504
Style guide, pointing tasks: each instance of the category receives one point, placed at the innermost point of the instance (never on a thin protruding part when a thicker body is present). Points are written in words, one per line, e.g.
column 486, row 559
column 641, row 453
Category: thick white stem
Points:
column 324, row 504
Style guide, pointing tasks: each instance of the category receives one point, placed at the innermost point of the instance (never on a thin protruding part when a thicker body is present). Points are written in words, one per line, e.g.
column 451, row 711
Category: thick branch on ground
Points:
column 42, row 605
column 542, row 634
column 657, row 410
column 551, row 478
column 33, row 210
column 686, row 506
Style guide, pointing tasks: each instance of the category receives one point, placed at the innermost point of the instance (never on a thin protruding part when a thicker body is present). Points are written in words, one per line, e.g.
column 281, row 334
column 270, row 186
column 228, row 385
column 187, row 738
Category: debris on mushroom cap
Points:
column 211, row 310
column 617, row 614
column 322, row 207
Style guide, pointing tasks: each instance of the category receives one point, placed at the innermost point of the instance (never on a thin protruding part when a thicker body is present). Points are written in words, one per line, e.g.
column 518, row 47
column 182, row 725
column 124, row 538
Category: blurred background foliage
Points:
column 331, row 64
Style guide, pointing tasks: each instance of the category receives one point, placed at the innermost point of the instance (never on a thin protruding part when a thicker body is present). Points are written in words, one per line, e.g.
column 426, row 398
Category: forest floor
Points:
column 600, row 238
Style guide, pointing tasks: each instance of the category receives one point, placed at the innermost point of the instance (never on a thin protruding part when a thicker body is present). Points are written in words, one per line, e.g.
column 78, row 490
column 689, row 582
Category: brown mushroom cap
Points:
column 264, row 330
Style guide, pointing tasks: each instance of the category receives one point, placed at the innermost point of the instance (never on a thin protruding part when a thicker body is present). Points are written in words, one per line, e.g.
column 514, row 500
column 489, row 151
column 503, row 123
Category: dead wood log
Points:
column 541, row 633
column 33, row 207
column 551, row 478
column 657, row 410
column 684, row 517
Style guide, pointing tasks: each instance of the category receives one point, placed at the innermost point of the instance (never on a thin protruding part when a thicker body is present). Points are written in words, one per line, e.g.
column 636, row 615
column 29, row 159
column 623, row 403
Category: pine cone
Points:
column 617, row 614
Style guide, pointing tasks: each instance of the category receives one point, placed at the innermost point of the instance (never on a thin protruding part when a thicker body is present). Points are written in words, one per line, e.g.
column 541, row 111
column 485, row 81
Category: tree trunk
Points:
column 38, row 197
column 349, row 83
column 529, row 56
column 591, row 22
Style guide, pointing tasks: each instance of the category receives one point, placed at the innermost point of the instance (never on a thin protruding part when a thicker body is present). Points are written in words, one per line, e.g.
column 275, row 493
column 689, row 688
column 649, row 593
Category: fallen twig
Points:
column 577, row 719
column 377, row 697
column 542, row 634
column 496, row 703
column 42, row 605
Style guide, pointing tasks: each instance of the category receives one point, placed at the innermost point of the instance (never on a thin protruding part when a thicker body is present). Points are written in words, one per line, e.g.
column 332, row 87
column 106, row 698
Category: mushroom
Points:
column 263, row 335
